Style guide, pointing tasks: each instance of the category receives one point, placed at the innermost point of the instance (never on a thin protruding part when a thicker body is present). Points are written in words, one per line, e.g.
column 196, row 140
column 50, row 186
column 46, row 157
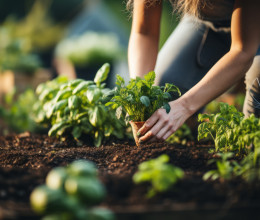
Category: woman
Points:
column 214, row 46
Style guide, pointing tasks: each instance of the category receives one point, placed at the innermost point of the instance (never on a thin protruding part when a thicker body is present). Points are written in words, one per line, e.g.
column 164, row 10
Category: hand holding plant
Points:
column 140, row 99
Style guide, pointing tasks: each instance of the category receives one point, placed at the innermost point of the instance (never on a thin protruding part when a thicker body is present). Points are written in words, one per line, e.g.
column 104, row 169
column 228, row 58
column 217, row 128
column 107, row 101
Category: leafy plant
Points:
column 37, row 28
column 140, row 99
column 14, row 55
column 90, row 48
column 161, row 175
column 249, row 168
column 225, row 167
column 18, row 114
column 71, row 193
column 229, row 129
column 228, row 167
column 182, row 135
column 78, row 107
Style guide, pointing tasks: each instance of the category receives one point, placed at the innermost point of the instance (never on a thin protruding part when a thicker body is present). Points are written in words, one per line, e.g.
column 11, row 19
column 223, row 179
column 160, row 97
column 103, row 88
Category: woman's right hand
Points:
column 161, row 125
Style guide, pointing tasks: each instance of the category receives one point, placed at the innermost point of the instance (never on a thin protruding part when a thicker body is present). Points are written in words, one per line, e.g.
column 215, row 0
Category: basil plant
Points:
column 140, row 98
column 77, row 107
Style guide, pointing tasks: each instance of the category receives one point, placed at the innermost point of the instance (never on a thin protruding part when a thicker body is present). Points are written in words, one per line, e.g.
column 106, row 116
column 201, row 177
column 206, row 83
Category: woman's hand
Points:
column 161, row 125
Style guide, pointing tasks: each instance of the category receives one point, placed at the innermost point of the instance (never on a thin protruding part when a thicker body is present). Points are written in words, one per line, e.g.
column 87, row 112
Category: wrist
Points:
column 187, row 107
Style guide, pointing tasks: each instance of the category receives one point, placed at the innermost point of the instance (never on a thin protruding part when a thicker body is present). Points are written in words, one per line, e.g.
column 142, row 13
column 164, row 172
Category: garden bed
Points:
column 26, row 159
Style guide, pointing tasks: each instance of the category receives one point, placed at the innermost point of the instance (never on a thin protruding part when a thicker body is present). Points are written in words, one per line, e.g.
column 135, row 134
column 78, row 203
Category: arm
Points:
column 230, row 68
column 144, row 38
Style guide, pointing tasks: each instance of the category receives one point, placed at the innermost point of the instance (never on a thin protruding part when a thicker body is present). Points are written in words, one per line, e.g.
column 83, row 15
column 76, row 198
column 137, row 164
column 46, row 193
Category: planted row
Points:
column 71, row 193
column 234, row 135
column 78, row 108
column 230, row 130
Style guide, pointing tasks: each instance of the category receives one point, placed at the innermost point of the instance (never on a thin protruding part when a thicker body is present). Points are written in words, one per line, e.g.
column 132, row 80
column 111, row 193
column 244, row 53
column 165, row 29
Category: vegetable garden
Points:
column 90, row 167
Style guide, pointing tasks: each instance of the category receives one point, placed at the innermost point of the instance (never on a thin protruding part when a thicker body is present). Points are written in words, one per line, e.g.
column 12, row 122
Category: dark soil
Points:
column 26, row 159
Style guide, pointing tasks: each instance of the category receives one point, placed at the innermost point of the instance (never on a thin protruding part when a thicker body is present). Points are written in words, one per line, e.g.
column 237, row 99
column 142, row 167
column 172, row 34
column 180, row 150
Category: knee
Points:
column 253, row 73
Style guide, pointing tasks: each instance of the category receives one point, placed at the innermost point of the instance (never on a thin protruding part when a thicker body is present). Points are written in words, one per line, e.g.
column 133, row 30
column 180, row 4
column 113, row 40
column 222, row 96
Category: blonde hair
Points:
column 191, row 7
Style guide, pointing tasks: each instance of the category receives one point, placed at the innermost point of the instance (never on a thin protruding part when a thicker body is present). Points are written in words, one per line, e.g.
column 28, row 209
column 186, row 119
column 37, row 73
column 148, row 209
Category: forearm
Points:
column 145, row 32
column 142, row 54
column 225, row 73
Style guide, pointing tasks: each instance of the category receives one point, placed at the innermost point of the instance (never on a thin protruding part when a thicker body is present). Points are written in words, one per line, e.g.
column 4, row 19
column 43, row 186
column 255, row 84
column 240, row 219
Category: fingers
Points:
column 161, row 125
column 147, row 125
column 168, row 134
column 162, row 132
column 152, row 132
column 154, row 126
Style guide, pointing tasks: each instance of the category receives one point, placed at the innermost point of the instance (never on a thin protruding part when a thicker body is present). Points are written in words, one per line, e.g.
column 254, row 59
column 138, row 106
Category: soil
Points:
column 26, row 159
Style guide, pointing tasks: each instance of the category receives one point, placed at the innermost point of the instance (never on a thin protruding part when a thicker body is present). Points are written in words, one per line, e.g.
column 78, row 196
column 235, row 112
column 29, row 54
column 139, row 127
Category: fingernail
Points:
column 138, row 134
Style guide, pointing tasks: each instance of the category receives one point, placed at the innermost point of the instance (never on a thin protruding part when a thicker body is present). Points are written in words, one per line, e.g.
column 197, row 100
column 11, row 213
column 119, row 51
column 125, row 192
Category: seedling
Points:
column 159, row 173
column 225, row 167
column 228, row 167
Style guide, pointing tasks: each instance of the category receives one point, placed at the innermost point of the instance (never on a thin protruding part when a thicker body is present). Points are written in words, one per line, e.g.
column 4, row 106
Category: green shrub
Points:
column 229, row 129
column 77, row 107
column 71, row 193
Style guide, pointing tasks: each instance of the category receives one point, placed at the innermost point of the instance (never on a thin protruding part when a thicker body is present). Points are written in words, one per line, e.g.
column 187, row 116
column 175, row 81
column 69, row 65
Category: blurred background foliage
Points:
column 32, row 17
column 32, row 30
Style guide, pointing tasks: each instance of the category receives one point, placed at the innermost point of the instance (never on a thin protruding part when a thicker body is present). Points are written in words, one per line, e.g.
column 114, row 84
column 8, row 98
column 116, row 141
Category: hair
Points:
column 192, row 7
column 130, row 3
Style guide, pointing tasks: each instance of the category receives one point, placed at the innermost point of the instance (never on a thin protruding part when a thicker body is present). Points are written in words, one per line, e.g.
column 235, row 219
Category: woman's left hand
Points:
column 161, row 125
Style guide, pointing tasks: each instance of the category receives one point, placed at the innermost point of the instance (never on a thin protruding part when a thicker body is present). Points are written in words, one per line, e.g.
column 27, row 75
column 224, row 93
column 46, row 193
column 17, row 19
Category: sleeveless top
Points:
column 217, row 10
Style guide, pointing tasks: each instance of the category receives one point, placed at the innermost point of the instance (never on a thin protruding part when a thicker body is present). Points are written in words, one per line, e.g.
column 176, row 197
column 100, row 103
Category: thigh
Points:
column 191, row 50
column 252, row 80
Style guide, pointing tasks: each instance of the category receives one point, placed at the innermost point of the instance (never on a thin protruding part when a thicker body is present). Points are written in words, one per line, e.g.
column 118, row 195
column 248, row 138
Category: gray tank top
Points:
column 218, row 10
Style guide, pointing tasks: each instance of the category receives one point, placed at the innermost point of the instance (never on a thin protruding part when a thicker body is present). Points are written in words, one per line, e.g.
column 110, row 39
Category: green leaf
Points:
column 75, row 82
column 220, row 141
column 59, row 106
column 119, row 81
column 63, row 94
column 97, row 116
column 150, row 77
column 76, row 132
column 74, row 102
column 223, row 107
column 167, row 96
column 210, row 174
column 98, row 138
column 171, row 88
column 82, row 87
column 145, row 101
column 56, row 127
column 203, row 117
column 93, row 95
column 102, row 74
column 167, row 107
